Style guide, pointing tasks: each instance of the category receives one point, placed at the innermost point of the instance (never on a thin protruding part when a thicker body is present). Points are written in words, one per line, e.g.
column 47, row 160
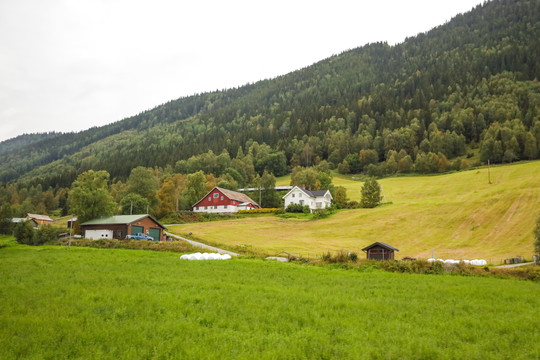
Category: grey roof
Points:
column 120, row 219
column 380, row 244
column 314, row 193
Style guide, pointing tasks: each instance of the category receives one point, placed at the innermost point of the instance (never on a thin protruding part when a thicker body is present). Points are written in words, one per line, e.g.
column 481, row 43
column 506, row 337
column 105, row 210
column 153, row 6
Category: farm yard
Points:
column 83, row 303
column 464, row 215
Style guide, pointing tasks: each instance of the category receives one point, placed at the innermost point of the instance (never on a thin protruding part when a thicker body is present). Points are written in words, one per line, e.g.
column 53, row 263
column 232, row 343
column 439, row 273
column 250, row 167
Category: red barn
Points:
column 220, row 200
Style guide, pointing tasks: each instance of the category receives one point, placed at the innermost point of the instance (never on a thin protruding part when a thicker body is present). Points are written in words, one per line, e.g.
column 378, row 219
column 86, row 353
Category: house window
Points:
column 216, row 195
column 301, row 202
column 318, row 204
column 300, row 195
column 293, row 195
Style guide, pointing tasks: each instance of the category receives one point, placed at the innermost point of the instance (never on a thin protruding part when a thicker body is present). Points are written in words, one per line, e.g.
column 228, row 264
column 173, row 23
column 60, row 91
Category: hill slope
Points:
column 458, row 216
column 436, row 92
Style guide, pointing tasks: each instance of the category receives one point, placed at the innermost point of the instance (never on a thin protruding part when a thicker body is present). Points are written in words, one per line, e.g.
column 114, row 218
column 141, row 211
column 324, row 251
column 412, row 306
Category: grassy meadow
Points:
column 84, row 303
column 459, row 215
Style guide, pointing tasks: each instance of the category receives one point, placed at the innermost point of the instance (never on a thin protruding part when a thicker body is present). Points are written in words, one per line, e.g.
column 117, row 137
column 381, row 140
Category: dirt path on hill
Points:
column 513, row 265
column 201, row 245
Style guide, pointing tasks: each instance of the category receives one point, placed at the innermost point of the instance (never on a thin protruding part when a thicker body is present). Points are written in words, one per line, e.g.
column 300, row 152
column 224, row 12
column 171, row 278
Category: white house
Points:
column 315, row 199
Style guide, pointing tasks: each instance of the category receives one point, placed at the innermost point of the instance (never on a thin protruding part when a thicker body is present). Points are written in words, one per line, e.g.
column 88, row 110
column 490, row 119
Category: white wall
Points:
column 98, row 234
column 220, row 209
column 299, row 195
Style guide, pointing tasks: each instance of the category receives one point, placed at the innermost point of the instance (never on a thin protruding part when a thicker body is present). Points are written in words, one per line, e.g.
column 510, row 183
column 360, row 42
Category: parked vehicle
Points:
column 139, row 236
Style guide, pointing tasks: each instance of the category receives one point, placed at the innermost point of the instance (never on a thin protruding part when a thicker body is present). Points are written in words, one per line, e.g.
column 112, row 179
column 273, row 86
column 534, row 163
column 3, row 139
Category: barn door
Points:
column 136, row 229
column 155, row 233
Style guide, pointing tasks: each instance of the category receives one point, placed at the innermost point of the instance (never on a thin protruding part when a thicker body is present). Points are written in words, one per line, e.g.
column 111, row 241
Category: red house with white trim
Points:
column 220, row 200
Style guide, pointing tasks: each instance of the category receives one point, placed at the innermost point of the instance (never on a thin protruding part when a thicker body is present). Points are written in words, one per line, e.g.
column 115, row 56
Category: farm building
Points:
column 40, row 219
column 379, row 251
column 315, row 199
column 117, row 227
column 220, row 200
column 18, row 220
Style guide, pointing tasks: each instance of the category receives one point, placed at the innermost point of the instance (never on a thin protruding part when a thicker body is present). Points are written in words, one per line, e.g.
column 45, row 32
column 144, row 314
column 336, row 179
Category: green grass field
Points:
column 459, row 215
column 82, row 303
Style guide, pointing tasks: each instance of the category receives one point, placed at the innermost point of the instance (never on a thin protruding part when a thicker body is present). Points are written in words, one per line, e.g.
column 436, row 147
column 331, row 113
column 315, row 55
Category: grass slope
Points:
column 83, row 303
column 459, row 215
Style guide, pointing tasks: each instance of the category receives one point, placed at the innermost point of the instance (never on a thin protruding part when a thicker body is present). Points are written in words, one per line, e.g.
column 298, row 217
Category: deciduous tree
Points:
column 89, row 196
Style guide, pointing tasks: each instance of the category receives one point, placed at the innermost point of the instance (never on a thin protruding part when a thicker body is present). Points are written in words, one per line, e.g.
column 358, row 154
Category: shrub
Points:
column 24, row 233
column 340, row 257
column 173, row 246
column 297, row 208
column 46, row 233
column 6, row 226
column 259, row 211
column 322, row 213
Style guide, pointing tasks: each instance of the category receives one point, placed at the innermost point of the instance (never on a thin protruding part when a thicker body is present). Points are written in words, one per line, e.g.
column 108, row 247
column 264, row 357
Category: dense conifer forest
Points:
column 465, row 93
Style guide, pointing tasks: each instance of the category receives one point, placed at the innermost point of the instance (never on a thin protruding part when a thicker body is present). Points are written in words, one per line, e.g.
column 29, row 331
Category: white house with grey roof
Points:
column 315, row 199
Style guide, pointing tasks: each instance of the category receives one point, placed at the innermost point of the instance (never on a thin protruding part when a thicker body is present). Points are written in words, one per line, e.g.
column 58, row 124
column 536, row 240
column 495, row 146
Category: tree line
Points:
column 462, row 94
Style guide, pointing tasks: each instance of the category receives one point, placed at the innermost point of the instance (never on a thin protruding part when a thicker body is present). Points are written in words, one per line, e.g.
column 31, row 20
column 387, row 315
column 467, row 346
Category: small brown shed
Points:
column 119, row 226
column 379, row 251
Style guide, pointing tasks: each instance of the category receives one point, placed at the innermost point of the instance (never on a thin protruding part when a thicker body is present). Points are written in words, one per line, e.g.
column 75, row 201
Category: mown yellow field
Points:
column 458, row 216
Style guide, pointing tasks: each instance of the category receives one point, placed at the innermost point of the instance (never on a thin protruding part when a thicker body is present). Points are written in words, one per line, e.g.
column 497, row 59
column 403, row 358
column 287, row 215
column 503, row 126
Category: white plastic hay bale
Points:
column 205, row 256
column 478, row 262
column 466, row 261
column 431, row 260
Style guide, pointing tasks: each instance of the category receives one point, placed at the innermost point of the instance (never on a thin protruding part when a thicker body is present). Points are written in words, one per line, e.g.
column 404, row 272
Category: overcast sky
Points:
column 67, row 65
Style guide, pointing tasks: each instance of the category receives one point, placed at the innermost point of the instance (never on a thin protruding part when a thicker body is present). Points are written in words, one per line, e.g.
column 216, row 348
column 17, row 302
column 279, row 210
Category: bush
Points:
column 341, row 256
column 6, row 226
column 259, row 211
column 173, row 246
column 297, row 208
column 46, row 233
column 24, row 233
column 322, row 213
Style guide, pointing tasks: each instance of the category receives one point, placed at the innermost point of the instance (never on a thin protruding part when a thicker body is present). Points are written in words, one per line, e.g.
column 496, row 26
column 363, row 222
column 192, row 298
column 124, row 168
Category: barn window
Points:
column 215, row 207
column 209, row 198
column 216, row 195
column 225, row 206
column 222, row 198
column 206, row 208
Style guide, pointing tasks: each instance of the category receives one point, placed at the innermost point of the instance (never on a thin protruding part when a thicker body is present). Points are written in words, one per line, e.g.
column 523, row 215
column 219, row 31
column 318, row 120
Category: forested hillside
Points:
column 427, row 105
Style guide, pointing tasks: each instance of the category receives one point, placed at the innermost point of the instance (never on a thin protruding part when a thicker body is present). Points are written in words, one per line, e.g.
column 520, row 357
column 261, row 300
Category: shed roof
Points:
column 381, row 244
column 39, row 217
column 120, row 219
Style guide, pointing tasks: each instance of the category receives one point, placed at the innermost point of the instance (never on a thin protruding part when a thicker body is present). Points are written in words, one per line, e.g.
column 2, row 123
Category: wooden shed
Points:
column 119, row 226
column 379, row 251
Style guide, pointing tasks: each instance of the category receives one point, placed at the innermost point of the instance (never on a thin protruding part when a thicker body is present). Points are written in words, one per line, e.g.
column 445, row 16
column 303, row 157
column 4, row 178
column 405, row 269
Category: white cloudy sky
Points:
column 67, row 65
